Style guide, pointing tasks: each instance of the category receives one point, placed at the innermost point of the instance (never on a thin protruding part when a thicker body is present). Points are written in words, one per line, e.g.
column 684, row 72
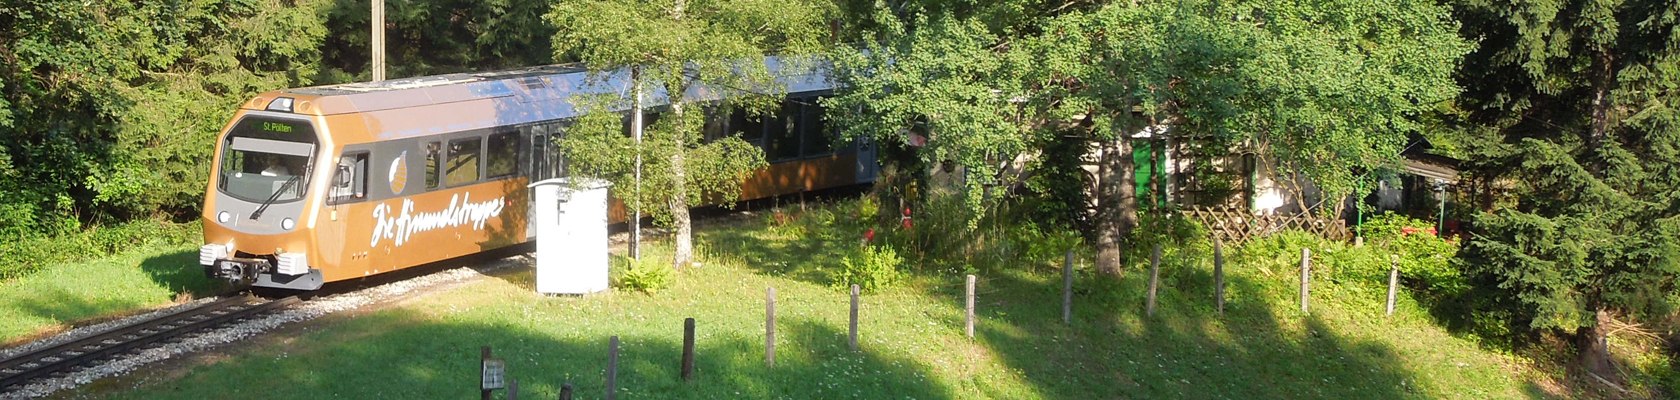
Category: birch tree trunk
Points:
column 684, row 253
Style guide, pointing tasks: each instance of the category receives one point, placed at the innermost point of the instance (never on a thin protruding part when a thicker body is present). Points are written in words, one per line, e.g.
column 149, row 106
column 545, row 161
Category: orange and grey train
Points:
column 328, row 183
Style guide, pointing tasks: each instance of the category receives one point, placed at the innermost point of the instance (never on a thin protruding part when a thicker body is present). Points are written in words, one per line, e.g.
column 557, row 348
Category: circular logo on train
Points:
column 399, row 173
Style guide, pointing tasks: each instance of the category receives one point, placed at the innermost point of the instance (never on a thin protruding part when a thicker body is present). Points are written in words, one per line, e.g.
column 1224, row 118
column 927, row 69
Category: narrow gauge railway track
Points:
column 17, row 371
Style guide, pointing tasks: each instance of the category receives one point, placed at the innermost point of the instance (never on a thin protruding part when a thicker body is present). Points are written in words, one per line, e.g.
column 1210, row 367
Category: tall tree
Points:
column 1326, row 87
column 676, row 46
column 941, row 88
column 1585, row 97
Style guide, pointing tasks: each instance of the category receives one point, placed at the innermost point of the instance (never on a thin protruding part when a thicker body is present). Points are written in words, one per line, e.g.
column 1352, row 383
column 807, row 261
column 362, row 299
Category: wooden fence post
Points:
column 1218, row 276
column 1306, row 276
column 770, row 327
column 1067, row 289
column 513, row 389
column 484, row 358
column 968, row 324
column 566, row 391
column 852, row 336
column 688, row 350
column 612, row 368
column 1154, row 279
column 1393, row 280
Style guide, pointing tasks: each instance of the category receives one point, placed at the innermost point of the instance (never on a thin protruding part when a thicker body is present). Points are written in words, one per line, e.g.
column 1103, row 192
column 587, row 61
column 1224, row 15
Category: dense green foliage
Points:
column 109, row 106
column 437, row 36
column 1579, row 105
column 940, row 79
column 25, row 255
column 672, row 47
column 1325, row 89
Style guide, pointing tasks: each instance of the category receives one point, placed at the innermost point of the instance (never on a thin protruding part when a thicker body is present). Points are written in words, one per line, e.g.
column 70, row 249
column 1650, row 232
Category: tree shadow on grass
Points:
column 1113, row 350
column 799, row 249
column 177, row 272
column 180, row 273
column 403, row 354
column 45, row 309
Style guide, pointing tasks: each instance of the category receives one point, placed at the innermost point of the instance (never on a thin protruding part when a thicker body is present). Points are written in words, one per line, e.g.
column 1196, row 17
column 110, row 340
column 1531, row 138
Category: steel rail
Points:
column 23, row 368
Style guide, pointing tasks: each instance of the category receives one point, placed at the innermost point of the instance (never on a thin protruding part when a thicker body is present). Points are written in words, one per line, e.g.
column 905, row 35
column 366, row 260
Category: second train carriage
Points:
column 328, row 183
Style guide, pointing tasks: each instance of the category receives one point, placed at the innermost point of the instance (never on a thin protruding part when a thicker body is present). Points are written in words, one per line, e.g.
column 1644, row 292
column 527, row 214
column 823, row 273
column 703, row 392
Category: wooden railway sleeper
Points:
column 33, row 368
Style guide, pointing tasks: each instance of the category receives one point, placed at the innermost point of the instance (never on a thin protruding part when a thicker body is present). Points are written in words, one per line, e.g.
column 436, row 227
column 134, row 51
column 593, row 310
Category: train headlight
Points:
column 287, row 224
column 224, row 217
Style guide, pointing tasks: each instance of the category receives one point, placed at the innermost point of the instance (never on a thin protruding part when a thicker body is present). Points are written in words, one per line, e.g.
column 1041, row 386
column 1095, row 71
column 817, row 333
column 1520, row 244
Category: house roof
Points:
column 1422, row 162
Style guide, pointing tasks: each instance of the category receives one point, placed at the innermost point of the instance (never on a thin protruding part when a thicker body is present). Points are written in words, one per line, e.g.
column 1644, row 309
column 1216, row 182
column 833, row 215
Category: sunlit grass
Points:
column 912, row 338
column 56, row 297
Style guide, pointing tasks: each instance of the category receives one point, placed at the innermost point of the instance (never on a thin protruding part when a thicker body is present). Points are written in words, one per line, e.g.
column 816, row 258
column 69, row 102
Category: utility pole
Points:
column 377, row 24
column 636, row 134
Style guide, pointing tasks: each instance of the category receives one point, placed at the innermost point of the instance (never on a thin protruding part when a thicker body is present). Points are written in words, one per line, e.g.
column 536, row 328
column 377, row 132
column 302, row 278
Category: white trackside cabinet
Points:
column 571, row 223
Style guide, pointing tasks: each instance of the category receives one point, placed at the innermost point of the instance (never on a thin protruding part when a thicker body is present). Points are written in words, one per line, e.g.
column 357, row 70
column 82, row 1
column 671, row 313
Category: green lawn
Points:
column 55, row 297
column 913, row 343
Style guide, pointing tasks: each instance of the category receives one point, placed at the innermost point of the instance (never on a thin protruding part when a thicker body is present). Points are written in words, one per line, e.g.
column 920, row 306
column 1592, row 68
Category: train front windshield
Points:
column 267, row 160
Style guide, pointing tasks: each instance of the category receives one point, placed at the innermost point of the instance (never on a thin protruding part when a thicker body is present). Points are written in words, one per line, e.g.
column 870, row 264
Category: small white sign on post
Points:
column 494, row 372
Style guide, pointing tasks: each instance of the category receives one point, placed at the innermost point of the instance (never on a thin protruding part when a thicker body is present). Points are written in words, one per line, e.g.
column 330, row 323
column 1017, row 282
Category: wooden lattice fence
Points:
column 1236, row 225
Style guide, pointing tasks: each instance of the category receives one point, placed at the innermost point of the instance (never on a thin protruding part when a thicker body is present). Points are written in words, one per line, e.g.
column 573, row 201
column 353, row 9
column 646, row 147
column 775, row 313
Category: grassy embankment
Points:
column 913, row 343
column 100, row 275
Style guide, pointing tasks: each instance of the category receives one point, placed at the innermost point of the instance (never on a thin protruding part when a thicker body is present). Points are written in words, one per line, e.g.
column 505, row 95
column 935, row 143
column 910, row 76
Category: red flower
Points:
column 869, row 236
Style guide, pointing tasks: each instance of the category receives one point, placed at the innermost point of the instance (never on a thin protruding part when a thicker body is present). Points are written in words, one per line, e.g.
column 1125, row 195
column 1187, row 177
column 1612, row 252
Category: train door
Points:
column 544, row 163
column 346, row 191
column 535, row 163
column 867, row 167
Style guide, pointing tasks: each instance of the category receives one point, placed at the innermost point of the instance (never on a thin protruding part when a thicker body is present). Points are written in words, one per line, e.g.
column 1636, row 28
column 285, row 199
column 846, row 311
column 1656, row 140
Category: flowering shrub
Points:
column 1424, row 255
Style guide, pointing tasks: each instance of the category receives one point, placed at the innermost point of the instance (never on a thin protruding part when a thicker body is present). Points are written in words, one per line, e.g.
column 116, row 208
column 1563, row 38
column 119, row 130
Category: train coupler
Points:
column 240, row 271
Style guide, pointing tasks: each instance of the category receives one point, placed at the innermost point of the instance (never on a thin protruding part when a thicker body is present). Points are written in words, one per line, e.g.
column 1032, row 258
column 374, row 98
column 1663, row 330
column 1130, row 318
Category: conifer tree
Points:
column 1584, row 100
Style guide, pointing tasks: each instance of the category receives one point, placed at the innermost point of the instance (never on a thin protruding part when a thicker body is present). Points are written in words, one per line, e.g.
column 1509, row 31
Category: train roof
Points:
column 512, row 97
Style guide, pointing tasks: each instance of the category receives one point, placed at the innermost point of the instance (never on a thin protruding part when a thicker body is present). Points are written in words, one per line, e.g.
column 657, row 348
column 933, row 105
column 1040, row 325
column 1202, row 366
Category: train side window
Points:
column 649, row 118
column 349, row 182
column 556, row 161
column 751, row 128
column 461, row 167
column 533, row 157
column 501, row 155
column 432, row 164
column 715, row 125
column 782, row 137
column 813, row 130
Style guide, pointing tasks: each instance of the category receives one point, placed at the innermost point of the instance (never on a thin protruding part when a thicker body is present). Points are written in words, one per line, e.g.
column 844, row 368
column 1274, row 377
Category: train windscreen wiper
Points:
column 276, row 196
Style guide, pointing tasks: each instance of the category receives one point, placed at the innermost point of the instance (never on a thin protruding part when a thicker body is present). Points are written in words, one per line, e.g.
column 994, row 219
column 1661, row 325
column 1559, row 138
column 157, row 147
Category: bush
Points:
column 1424, row 256
column 25, row 255
column 1180, row 238
column 1043, row 244
column 648, row 275
column 871, row 268
column 868, row 210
